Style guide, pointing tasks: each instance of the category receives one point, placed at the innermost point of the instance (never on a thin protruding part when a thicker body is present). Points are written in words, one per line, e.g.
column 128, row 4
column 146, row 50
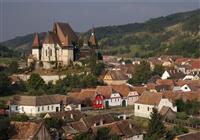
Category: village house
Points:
column 115, row 77
column 172, row 74
column 29, row 131
column 188, row 65
column 105, row 96
column 147, row 101
column 35, row 105
column 126, row 129
column 66, row 116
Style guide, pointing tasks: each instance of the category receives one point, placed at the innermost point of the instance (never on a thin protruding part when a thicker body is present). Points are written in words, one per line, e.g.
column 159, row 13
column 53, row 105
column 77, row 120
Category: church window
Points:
column 46, row 52
column 50, row 52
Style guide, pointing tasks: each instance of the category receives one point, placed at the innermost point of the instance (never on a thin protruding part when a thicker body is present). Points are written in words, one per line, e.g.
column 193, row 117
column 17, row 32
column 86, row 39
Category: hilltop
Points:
column 176, row 34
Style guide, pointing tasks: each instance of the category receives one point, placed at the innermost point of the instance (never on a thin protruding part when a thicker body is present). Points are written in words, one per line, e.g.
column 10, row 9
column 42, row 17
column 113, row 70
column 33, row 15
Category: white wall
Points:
column 165, row 75
column 143, row 110
column 136, row 137
column 35, row 53
column 166, row 102
column 115, row 100
column 33, row 110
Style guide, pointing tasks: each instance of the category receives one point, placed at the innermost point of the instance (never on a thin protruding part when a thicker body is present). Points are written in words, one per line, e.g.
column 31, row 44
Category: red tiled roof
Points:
column 149, row 98
column 36, row 41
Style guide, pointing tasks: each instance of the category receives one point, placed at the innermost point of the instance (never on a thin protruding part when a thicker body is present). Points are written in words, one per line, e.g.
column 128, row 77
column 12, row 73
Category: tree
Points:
column 13, row 67
column 104, row 134
column 4, row 127
column 36, row 82
column 92, row 61
column 156, row 128
column 19, row 117
column 83, row 136
column 141, row 74
column 5, row 83
column 53, row 123
column 90, row 80
column 158, row 70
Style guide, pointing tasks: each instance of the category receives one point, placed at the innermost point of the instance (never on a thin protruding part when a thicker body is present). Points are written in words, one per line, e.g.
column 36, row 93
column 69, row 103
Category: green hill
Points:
column 176, row 34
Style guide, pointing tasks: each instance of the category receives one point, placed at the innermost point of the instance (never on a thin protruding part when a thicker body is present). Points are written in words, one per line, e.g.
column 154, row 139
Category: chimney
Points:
column 124, row 117
column 71, row 116
column 130, row 126
column 101, row 122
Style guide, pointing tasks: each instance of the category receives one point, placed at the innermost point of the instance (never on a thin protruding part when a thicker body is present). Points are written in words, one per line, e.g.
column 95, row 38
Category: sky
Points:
column 21, row 17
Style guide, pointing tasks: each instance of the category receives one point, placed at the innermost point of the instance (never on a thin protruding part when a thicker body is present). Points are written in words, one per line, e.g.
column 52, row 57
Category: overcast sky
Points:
column 20, row 17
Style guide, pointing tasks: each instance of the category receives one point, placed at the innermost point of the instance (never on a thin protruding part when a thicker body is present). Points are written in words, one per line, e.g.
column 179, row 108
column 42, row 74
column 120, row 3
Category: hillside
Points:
column 176, row 34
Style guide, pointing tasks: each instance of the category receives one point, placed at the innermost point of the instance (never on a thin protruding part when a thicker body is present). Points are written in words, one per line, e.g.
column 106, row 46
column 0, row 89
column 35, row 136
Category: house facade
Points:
column 147, row 101
column 35, row 105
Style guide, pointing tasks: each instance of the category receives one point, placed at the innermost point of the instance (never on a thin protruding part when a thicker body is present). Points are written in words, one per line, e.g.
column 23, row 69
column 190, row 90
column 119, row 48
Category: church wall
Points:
column 36, row 53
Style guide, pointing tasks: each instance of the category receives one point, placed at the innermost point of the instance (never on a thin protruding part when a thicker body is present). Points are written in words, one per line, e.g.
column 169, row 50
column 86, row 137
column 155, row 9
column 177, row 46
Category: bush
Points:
column 182, row 115
column 19, row 117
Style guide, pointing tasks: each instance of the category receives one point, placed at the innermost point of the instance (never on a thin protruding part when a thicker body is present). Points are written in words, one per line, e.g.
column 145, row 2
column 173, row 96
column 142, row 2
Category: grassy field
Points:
column 7, row 60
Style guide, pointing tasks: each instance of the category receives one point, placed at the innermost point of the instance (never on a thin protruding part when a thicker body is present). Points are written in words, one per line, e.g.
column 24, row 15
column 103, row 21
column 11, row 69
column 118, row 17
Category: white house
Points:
column 147, row 101
column 35, row 105
column 118, row 95
column 172, row 74
column 184, row 88
column 115, row 99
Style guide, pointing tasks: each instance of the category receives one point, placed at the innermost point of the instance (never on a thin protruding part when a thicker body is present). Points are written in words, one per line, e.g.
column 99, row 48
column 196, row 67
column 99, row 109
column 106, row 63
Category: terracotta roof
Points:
column 140, row 89
column 65, row 33
column 36, row 41
column 149, row 98
column 91, row 120
column 66, row 115
column 51, row 38
column 128, row 128
column 105, row 91
column 82, row 95
column 38, row 100
column 174, row 74
column 24, row 130
column 122, row 89
column 195, row 64
column 114, row 128
column 127, row 69
column 189, row 136
column 164, row 110
column 182, row 95
column 117, row 75
column 165, row 82
column 92, row 39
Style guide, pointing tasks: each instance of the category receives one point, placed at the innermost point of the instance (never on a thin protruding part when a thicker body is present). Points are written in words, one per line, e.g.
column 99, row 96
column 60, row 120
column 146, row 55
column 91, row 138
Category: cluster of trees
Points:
column 188, row 107
column 143, row 73
column 156, row 129
column 36, row 85
column 101, row 134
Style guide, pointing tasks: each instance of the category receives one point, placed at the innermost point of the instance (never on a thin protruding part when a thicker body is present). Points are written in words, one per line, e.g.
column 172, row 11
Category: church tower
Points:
column 36, row 47
column 93, row 40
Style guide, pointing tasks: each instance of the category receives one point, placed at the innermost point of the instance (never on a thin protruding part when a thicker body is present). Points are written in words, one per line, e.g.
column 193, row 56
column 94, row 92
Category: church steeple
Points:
column 36, row 41
column 92, row 40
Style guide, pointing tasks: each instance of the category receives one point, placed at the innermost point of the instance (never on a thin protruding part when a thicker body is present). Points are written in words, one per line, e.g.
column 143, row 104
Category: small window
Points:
column 148, row 108
column 38, row 109
column 46, row 52
column 138, row 107
column 47, row 107
column 22, row 108
column 52, row 107
column 42, row 108
column 16, row 108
